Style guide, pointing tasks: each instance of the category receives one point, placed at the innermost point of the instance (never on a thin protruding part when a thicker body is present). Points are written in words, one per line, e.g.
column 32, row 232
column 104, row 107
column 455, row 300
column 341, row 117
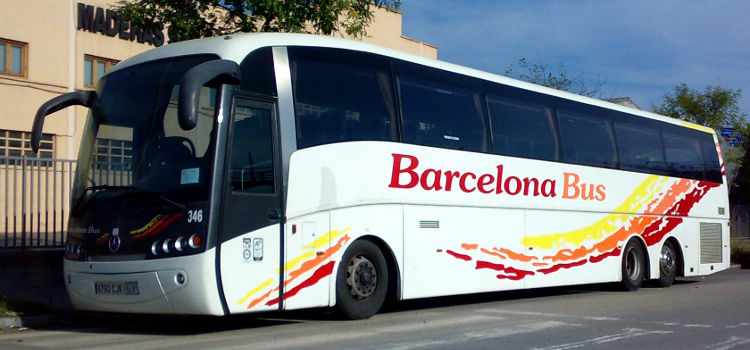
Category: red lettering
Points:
column 548, row 188
column 571, row 183
column 517, row 188
column 409, row 170
column 527, row 181
column 485, row 180
column 449, row 175
column 462, row 182
column 435, row 180
column 499, row 188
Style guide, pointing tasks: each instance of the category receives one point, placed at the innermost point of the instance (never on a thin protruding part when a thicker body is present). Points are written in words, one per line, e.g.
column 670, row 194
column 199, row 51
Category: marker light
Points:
column 155, row 248
column 179, row 243
column 165, row 245
column 195, row 241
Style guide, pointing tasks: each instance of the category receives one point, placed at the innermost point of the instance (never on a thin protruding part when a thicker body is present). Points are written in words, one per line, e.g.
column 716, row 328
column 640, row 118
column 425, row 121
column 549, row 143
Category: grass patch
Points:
column 16, row 307
column 740, row 253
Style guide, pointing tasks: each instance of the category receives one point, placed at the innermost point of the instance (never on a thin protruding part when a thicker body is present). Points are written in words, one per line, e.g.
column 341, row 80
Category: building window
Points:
column 113, row 155
column 13, row 55
column 18, row 144
column 94, row 68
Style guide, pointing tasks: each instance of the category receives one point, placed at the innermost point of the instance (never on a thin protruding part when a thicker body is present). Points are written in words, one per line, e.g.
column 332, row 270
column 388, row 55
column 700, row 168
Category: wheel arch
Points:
column 394, row 275
column 680, row 257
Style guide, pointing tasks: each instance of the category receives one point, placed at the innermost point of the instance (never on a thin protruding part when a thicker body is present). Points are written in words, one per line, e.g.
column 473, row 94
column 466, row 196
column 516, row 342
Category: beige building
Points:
column 51, row 47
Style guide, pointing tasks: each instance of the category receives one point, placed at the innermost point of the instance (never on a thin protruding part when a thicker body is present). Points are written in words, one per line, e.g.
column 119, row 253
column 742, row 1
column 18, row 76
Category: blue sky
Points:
column 642, row 49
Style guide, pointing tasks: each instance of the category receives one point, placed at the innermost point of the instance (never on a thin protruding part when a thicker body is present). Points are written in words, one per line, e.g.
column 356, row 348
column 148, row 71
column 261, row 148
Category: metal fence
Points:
column 34, row 202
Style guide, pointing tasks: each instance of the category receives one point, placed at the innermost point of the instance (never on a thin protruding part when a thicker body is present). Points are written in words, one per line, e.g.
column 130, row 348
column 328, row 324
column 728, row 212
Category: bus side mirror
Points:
column 217, row 71
column 75, row 98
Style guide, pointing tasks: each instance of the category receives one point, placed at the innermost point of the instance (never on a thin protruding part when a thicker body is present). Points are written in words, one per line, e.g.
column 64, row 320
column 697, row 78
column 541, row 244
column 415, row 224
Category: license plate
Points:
column 116, row 288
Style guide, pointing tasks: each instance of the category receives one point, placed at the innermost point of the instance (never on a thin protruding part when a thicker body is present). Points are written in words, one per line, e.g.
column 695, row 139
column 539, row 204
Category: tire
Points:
column 633, row 266
column 667, row 264
column 361, row 280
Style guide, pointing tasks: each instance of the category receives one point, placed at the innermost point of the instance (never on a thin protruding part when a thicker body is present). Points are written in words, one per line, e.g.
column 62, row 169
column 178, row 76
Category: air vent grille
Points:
column 711, row 243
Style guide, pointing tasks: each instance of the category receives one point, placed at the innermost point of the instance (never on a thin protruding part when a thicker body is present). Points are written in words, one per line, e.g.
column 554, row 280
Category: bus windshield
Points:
column 132, row 141
column 135, row 162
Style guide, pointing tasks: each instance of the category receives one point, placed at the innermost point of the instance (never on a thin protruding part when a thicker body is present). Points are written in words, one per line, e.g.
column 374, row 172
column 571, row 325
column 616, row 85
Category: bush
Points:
column 740, row 253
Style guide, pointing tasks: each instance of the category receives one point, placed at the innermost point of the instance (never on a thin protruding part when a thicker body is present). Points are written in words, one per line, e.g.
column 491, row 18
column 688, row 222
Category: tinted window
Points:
column 684, row 155
column 252, row 168
column 640, row 148
column 257, row 72
column 522, row 129
column 586, row 140
column 711, row 159
column 341, row 96
column 440, row 109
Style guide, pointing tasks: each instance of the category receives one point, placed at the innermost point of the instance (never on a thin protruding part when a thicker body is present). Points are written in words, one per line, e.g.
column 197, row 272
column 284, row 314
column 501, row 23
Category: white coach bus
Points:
column 278, row 171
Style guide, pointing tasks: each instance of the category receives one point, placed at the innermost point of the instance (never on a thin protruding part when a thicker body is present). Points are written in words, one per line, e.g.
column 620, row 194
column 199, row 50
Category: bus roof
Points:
column 237, row 46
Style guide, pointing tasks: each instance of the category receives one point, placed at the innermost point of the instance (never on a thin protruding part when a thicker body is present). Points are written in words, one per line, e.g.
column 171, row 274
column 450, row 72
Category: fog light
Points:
column 180, row 278
column 179, row 243
column 155, row 248
column 165, row 245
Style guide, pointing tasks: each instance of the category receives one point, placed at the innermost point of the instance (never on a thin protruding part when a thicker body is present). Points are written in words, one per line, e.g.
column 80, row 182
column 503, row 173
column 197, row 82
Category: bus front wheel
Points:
column 633, row 266
column 361, row 280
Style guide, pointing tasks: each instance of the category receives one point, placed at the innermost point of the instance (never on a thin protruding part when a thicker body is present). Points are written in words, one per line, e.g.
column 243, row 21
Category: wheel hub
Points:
column 667, row 260
column 632, row 267
column 362, row 277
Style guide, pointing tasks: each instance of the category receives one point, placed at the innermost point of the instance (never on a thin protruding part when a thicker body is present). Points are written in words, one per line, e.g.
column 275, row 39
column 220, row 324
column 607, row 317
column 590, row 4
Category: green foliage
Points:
column 542, row 74
column 713, row 107
column 192, row 19
column 13, row 307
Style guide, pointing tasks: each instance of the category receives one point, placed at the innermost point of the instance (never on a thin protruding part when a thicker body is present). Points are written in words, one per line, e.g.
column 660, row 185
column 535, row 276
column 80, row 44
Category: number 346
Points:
column 195, row 216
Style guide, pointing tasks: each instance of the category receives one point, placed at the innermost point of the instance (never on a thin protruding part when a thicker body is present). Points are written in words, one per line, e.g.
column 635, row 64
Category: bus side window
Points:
column 587, row 140
column 710, row 159
column 640, row 148
column 684, row 156
column 441, row 109
column 341, row 96
column 521, row 129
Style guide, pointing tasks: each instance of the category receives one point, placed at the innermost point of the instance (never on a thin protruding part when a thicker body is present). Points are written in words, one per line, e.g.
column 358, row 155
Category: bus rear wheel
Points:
column 633, row 266
column 361, row 280
column 667, row 264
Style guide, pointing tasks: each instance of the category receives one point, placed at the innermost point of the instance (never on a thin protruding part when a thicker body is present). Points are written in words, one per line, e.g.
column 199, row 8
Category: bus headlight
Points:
column 179, row 243
column 155, row 248
column 165, row 245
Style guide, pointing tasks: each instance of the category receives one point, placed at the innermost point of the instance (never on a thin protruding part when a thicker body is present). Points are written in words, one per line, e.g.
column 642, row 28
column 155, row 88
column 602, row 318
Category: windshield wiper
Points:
column 80, row 204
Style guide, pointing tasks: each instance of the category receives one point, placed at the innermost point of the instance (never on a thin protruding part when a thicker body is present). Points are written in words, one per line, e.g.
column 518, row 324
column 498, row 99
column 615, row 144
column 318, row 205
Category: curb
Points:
column 10, row 322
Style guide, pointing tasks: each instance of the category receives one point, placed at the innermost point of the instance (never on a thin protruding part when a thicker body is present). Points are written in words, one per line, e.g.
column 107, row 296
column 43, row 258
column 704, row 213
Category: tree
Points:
column 541, row 74
column 192, row 19
column 714, row 107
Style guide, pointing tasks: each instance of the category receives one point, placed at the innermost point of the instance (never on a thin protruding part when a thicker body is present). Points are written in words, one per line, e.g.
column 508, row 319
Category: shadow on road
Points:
column 93, row 322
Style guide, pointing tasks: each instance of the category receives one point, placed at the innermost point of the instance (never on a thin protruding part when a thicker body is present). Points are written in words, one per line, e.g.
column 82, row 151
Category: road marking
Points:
column 732, row 342
column 738, row 325
column 698, row 326
column 627, row 334
column 546, row 314
column 504, row 331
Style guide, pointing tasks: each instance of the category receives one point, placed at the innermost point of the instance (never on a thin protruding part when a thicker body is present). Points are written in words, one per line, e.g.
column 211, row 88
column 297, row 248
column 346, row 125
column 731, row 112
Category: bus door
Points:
column 250, row 232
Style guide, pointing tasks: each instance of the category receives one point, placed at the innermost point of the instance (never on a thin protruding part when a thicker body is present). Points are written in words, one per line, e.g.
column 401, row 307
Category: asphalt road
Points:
column 707, row 313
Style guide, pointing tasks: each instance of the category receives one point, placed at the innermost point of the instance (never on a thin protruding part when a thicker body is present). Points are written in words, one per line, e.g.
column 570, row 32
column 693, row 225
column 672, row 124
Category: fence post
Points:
column 23, row 202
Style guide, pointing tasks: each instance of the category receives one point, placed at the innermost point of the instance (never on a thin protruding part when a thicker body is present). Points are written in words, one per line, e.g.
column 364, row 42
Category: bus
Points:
column 266, row 172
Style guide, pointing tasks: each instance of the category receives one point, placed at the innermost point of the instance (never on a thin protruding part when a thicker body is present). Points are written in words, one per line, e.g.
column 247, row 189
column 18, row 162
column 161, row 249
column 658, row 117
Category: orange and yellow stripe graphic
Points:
column 308, row 260
column 661, row 205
